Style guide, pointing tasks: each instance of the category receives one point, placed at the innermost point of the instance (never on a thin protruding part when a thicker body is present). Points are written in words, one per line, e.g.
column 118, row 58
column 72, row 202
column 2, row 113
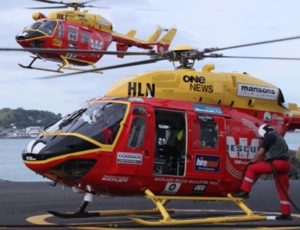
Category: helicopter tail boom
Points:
column 122, row 46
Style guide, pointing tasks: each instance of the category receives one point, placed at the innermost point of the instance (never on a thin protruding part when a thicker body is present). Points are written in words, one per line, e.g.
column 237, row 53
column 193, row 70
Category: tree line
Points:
column 21, row 118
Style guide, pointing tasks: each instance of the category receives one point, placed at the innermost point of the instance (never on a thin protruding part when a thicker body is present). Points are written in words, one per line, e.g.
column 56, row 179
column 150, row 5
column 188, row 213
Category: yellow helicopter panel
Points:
column 83, row 18
column 231, row 89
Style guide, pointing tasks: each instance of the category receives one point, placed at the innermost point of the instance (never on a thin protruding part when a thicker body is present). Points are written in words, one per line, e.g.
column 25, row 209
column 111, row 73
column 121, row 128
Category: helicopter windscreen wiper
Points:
column 70, row 118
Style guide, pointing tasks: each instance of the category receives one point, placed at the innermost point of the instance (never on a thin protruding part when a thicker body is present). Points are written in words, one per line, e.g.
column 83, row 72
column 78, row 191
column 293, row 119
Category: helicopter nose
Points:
column 20, row 38
column 24, row 35
column 32, row 150
column 39, row 159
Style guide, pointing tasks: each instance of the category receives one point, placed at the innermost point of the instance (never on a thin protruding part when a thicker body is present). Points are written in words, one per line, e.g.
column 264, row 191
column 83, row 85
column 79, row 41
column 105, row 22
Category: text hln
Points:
column 136, row 89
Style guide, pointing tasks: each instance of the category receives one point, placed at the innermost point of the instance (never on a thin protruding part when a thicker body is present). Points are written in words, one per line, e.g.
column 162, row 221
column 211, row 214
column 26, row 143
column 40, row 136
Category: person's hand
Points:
column 250, row 162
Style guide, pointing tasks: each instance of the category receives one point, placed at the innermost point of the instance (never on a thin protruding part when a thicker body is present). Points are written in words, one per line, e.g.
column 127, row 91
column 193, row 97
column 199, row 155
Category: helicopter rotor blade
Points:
column 97, row 7
column 86, row 2
column 252, row 57
column 46, row 7
column 209, row 50
column 71, row 4
column 143, row 62
column 50, row 1
column 75, row 51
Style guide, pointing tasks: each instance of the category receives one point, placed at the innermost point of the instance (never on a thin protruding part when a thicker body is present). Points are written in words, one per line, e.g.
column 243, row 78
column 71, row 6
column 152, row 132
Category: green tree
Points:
column 22, row 118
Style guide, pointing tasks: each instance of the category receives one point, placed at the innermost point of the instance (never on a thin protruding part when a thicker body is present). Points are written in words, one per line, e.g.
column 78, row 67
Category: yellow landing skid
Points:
column 66, row 65
column 160, row 201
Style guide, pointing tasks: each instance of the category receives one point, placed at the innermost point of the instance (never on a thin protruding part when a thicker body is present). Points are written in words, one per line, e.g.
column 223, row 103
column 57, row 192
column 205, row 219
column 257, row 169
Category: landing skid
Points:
column 64, row 66
column 167, row 220
column 38, row 68
column 105, row 213
column 81, row 213
column 34, row 58
column 74, row 214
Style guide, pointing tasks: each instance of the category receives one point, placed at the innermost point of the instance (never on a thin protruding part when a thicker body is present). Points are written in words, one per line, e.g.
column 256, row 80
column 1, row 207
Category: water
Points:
column 13, row 169
column 11, row 163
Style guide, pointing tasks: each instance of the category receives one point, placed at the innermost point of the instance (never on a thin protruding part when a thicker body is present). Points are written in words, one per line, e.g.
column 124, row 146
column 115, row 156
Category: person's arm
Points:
column 259, row 156
column 267, row 142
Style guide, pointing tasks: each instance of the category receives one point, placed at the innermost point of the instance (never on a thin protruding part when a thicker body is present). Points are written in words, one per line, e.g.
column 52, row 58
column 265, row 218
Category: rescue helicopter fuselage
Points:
column 172, row 135
column 77, row 30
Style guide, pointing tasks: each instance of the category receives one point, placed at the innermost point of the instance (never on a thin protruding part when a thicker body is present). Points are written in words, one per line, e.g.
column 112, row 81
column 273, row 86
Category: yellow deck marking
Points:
column 40, row 219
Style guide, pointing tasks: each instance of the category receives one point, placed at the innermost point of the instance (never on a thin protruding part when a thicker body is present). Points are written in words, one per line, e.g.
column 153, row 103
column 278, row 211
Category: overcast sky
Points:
column 201, row 24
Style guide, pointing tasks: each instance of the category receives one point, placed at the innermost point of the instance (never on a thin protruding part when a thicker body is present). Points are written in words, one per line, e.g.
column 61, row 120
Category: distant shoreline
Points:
column 17, row 137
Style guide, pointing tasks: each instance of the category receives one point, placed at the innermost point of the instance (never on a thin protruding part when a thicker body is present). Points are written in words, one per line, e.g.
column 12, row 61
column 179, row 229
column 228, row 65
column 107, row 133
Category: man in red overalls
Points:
column 272, row 155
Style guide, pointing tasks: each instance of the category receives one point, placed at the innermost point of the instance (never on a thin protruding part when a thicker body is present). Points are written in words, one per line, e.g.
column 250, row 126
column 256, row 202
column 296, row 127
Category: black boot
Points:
column 242, row 194
column 284, row 217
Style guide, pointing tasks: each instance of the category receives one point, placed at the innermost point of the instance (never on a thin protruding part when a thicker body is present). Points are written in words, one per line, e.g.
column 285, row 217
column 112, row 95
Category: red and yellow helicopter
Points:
column 80, row 30
column 181, row 134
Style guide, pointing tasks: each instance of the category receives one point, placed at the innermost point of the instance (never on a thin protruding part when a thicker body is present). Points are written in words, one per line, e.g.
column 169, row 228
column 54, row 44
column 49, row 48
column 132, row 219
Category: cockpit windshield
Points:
column 46, row 26
column 99, row 121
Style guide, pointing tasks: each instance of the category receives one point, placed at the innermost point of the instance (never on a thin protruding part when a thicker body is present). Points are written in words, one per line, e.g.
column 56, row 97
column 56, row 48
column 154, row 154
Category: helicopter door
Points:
column 136, row 157
column 170, row 154
column 85, row 39
column 207, row 139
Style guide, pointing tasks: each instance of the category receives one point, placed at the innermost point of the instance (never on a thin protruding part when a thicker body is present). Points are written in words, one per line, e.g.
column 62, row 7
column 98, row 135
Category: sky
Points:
column 200, row 24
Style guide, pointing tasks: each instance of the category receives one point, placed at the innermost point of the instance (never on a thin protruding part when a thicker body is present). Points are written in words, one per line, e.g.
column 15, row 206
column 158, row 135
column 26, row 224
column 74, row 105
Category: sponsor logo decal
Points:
column 172, row 188
column 199, row 188
column 57, row 42
column 140, row 89
column 207, row 163
column 199, row 108
column 30, row 158
column 129, row 158
column 198, row 84
column 96, row 44
column 117, row 179
column 257, row 91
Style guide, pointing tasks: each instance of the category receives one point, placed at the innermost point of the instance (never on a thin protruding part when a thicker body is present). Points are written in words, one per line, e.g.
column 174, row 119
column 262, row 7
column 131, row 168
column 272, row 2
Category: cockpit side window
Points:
column 138, row 127
column 208, row 137
column 60, row 33
column 137, row 133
